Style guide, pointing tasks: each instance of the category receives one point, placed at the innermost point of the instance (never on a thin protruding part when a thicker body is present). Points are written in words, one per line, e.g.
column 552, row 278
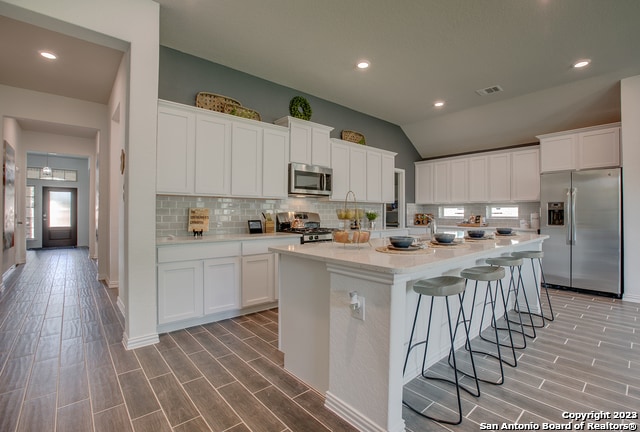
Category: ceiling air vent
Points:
column 489, row 90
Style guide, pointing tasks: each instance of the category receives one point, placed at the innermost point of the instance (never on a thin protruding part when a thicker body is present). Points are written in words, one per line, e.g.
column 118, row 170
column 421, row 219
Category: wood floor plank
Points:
column 184, row 339
column 43, row 379
column 105, row 391
column 211, row 369
column 152, row 362
column 244, row 373
column 153, row 422
column 138, row 394
column 215, row 410
column 173, row 399
column 239, row 347
column 253, row 413
column 287, row 383
column 212, row 344
column 288, row 411
column 180, row 365
column 10, row 405
column 38, row 414
column 75, row 417
column 71, row 351
column 267, row 349
column 73, row 385
column 196, row 425
column 124, row 360
column 113, row 419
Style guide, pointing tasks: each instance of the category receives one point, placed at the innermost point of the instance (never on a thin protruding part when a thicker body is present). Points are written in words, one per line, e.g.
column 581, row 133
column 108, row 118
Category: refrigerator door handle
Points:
column 567, row 206
column 572, row 224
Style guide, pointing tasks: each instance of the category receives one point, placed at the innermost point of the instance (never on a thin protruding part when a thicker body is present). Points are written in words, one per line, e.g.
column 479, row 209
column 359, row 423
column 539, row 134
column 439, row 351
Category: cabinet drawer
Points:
column 198, row 251
column 262, row 246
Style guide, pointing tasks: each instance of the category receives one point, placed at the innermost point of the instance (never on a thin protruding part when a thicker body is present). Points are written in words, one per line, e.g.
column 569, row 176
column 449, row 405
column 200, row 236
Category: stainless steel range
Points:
column 305, row 223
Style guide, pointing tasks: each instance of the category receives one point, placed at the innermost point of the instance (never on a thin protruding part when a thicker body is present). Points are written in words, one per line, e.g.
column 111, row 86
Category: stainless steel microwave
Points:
column 309, row 180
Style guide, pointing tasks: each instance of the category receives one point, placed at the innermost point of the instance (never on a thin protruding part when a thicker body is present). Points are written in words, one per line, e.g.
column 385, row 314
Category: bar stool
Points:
column 514, row 287
column 538, row 255
column 487, row 274
column 441, row 286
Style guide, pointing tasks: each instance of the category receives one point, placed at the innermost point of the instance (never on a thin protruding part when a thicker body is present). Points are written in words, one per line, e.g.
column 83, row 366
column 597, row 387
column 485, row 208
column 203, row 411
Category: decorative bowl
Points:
column 401, row 241
column 475, row 233
column 444, row 237
column 351, row 237
column 504, row 230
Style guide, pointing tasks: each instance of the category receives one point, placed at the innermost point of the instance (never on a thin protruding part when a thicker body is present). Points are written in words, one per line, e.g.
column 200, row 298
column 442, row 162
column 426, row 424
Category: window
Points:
column 30, row 213
column 35, row 173
column 452, row 212
column 504, row 212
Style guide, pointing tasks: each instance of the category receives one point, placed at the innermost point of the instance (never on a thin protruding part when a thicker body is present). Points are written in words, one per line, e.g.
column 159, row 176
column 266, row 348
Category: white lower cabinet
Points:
column 258, row 282
column 209, row 281
column 179, row 291
column 221, row 282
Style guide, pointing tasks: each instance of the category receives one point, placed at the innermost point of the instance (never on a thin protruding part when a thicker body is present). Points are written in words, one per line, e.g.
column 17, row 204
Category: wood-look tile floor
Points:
column 63, row 366
column 587, row 359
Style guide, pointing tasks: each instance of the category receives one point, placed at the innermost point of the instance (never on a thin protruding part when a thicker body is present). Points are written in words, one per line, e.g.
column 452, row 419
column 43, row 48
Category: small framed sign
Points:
column 255, row 226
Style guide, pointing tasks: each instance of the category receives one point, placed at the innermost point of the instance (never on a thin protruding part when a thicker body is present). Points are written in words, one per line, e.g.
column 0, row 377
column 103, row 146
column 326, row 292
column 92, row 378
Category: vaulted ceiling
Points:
column 420, row 51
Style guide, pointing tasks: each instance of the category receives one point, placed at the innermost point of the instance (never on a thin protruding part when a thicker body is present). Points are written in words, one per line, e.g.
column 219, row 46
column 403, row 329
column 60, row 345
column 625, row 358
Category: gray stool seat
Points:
column 483, row 273
column 528, row 254
column 505, row 261
column 440, row 286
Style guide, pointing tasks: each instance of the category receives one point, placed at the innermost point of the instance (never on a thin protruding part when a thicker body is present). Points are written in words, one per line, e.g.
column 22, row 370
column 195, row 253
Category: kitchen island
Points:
column 358, row 363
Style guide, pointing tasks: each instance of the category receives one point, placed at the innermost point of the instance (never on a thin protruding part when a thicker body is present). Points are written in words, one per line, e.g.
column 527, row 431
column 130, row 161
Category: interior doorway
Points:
column 59, row 217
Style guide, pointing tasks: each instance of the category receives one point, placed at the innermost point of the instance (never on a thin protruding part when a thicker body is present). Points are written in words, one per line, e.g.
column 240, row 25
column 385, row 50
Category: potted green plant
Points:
column 371, row 217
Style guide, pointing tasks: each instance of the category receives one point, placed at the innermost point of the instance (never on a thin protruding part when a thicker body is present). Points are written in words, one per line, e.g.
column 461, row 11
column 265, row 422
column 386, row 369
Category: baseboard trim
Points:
column 139, row 342
column 356, row 418
column 120, row 306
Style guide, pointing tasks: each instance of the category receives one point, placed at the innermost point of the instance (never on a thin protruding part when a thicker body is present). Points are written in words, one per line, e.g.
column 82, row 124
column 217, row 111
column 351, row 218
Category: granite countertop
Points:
column 173, row 240
column 366, row 257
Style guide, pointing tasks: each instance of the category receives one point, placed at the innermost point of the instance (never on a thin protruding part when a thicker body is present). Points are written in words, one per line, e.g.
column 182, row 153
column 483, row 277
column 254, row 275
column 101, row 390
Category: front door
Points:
column 59, row 217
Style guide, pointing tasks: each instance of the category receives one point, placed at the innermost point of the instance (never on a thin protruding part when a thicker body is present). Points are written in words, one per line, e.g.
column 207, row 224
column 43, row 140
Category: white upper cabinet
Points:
column 213, row 156
column 175, row 154
column 499, row 177
column 358, row 172
column 388, row 178
column 246, row 160
column 274, row 163
column 594, row 147
column 477, row 179
column 340, row 166
column 599, row 148
column 441, row 181
column 374, row 177
column 366, row 171
column 309, row 142
column 201, row 152
column 459, row 183
column 424, row 182
column 525, row 175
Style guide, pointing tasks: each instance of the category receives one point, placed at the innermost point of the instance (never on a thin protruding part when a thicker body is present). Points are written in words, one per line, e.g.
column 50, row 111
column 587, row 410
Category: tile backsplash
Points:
column 230, row 215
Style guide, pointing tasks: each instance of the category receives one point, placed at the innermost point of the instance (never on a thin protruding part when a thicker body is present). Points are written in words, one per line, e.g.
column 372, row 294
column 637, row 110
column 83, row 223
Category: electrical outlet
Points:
column 359, row 313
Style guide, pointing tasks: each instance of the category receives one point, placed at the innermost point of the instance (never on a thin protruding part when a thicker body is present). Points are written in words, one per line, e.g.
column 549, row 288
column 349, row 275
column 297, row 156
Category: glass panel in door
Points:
column 59, row 217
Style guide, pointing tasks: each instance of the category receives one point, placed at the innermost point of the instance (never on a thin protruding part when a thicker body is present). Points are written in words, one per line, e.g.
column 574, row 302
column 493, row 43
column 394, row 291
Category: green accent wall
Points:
column 182, row 76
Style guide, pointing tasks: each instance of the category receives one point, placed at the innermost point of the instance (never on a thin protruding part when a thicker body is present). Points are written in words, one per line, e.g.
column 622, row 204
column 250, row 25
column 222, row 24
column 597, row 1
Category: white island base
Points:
column 357, row 363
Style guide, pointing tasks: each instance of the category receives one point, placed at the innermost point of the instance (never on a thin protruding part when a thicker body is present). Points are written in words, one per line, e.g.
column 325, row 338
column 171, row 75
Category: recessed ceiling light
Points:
column 581, row 63
column 438, row 104
column 48, row 55
column 363, row 64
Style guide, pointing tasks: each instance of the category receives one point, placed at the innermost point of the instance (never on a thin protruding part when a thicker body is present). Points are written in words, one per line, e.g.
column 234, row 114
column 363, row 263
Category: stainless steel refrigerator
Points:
column 582, row 215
